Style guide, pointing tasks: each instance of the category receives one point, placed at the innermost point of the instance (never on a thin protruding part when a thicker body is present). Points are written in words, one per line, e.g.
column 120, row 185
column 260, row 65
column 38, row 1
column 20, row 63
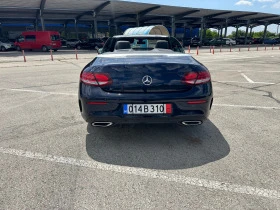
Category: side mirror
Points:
column 100, row 50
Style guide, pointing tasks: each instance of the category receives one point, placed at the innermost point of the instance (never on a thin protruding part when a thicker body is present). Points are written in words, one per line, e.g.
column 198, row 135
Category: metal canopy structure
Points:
column 115, row 13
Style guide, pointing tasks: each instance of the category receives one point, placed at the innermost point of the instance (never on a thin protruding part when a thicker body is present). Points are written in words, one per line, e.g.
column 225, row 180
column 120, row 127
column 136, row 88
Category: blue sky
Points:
column 266, row 6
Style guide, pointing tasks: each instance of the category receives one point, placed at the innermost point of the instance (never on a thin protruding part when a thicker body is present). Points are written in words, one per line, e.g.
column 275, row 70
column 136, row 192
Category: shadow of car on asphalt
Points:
column 163, row 147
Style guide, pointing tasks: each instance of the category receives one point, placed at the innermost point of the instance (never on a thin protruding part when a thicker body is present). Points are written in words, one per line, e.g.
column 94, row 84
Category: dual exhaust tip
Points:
column 108, row 124
column 102, row 124
column 187, row 123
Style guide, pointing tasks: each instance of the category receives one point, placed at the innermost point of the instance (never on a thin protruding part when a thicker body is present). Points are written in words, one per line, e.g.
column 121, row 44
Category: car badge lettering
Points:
column 147, row 80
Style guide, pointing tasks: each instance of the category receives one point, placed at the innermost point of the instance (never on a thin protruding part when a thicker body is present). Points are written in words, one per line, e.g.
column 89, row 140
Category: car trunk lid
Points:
column 152, row 74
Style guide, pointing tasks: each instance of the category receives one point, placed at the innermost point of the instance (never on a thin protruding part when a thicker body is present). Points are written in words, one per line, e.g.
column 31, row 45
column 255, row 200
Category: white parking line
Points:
column 243, row 71
column 245, row 106
column 247, row 78
column 265, row 83
column 225, row 105
column 38, row 91
column 153, row 174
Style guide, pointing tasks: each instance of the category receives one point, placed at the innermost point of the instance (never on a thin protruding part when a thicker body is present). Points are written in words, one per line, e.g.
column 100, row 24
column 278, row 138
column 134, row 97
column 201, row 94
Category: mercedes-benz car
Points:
column 144, row 79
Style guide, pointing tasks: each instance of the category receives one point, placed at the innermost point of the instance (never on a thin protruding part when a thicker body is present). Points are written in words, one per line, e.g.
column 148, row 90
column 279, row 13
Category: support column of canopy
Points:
column 247, row 29
column 76, row 28
column 265, row 30
column 202, row 29
column 221, row 34
column 226, row 27
column 236, row 32
column 40, row 14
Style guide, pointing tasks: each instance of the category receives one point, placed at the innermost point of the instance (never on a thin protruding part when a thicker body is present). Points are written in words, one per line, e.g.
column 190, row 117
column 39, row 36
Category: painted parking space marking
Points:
column 225, row 105
column 265, row 83
column 38, row 91
column 245, row 106
column 229, row 70
column 247, row 78
column 149, row 173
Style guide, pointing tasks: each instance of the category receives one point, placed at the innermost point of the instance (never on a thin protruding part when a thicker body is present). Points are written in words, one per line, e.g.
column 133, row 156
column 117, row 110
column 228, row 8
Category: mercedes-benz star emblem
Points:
column 147, row 80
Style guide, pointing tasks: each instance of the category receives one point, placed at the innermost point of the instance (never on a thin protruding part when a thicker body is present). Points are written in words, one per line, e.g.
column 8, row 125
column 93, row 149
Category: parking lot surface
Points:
column 51, row 159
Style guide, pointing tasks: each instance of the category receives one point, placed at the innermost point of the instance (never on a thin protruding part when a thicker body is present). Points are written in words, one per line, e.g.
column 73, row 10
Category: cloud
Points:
column 266, row 0
column 244, row 2
column 264, row 6
column 276, row 5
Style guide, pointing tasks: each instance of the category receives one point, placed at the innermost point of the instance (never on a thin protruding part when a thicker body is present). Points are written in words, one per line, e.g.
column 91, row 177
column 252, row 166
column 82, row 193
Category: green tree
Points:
column 240, row 33
column 261, row 33
column 211, row 34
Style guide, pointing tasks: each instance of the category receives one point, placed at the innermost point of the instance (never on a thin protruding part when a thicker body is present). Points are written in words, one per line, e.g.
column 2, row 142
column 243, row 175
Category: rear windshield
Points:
column 55, row 37
column 148, row 59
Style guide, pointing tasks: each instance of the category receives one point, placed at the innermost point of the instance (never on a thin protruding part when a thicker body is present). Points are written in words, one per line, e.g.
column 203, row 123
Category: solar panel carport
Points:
column 114, row 14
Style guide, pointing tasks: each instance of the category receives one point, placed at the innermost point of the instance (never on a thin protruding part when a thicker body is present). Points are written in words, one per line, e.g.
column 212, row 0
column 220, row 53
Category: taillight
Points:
column 96, row 79
column 196, row 78
column 197, row 102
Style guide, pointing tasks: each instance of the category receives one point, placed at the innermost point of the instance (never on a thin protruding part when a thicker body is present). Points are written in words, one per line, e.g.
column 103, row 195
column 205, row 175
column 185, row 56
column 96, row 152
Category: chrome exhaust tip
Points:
column 191, row 123
column 101, row 124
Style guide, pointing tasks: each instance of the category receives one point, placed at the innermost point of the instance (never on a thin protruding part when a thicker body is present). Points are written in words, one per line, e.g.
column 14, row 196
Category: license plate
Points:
column 147, row 109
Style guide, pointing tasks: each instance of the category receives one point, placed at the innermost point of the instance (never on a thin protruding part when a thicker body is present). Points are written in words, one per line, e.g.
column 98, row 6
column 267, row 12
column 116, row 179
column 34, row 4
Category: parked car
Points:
column 241, row 40
column 72, row 43
column 217, row 42
column 195, row 41
column 90, row 44
column 5, row 44
column 206, row 42
column 270, row 41
column 38, row 40
column 229, row 41
column 140, row 79
column 278, row 40
column 257, row 41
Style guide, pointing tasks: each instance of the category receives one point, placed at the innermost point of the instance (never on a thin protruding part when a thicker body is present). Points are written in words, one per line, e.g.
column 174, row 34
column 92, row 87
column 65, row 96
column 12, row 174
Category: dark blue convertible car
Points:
column 144, row 79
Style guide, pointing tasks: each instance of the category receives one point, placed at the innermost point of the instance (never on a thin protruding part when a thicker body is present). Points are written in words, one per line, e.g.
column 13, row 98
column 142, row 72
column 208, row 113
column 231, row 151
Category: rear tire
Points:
column 55, row 50
column 78, row 47
column 44, row 49
column 18, row 48
column 3, row 49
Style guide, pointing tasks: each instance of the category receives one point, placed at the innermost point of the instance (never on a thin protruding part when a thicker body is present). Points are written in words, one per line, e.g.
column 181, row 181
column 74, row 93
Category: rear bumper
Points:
column 113, row 112
column 111, row 108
